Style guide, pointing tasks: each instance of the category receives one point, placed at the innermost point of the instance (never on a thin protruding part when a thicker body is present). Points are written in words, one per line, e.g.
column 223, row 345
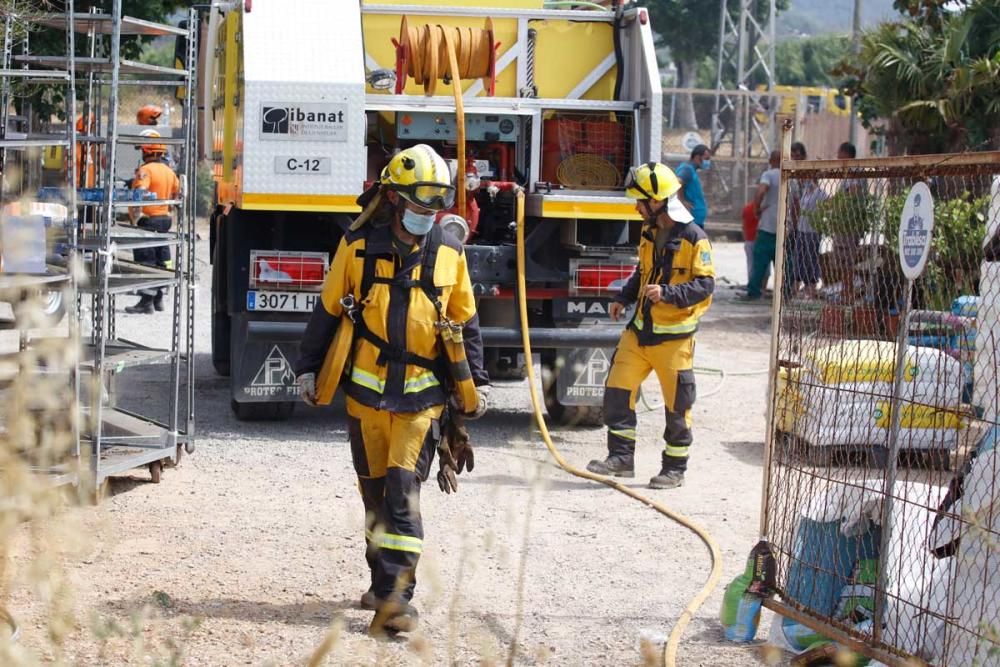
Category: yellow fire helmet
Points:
column 657, row 181
column 420, row 176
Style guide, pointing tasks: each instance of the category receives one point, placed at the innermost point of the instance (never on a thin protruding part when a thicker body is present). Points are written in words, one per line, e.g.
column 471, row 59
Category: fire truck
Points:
column 307, row 100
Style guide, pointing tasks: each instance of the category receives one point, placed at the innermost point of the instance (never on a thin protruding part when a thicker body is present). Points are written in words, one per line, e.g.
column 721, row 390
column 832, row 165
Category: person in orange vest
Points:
column 85, row 155
column 155, row 176
column 148, row 115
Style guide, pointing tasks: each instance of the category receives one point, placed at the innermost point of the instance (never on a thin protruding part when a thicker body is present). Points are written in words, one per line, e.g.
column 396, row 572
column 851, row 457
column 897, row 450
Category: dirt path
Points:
column 259, row 535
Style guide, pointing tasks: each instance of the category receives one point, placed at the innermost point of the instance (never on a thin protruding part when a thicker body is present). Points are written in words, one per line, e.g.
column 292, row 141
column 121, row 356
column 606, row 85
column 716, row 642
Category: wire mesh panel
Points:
column 586, row 151
column 882, row 496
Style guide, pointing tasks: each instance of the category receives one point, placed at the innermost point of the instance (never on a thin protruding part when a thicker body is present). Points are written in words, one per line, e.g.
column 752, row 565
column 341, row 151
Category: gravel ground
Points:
column 259, row 534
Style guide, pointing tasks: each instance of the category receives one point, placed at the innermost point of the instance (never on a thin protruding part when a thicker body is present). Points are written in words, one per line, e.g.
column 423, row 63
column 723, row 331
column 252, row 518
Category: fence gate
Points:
column 882, row 484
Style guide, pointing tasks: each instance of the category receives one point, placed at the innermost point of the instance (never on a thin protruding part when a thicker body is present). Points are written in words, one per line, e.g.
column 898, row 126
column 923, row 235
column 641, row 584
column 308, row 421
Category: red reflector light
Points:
column 288, row 270
column 602, row 277
column 643, row 17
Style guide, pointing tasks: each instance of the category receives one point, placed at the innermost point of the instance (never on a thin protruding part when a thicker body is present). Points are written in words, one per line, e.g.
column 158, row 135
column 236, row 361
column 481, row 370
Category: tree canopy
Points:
column 931, row 81
column 810, row 61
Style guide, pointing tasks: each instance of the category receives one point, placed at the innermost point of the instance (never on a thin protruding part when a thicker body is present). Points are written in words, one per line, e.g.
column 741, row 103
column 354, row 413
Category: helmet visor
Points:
column 435, row 196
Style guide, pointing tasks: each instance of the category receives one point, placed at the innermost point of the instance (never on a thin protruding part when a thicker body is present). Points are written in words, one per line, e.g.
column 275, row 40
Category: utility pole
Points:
column 855, row 48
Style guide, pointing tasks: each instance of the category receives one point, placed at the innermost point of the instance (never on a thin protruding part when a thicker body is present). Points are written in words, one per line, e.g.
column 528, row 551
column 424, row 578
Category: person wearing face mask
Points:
column 397, row 277
column 672, row 288
column 691, row 191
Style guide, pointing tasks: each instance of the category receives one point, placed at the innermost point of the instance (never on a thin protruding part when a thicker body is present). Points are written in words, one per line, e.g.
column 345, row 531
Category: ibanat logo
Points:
column 281, row 120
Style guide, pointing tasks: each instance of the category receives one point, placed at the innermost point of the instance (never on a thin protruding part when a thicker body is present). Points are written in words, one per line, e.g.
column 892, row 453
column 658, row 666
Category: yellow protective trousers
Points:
column 673, row 363
column 392, row 455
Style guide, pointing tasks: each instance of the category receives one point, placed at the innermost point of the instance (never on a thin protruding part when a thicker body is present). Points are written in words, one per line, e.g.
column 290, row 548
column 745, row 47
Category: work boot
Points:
column 393, row 617
column 369, row 601
column 667, row 479
column 158, row 302
column 143, row 307
column 613, row 466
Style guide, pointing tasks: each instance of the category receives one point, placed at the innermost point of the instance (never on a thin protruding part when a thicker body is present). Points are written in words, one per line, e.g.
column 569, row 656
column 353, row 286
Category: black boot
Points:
column 613, row 466
column 369, row 600
column 158, row 302
column 667, row 479
column 393, row 616
column 143, row 307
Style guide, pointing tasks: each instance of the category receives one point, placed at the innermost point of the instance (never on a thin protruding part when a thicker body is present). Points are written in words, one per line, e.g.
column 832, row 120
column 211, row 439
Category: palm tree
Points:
column 934, row 84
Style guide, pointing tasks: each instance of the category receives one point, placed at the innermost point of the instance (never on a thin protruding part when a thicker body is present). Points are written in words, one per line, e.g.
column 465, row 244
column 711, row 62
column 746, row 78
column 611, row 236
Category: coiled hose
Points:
column 452, row 54
column 670, row 648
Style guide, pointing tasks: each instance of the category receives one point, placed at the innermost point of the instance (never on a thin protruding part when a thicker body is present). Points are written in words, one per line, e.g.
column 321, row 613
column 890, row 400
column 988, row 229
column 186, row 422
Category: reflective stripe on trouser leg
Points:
column 673, row 361
column 401, row 447
column 677, row 436
column 629, row 367
column 372, row 494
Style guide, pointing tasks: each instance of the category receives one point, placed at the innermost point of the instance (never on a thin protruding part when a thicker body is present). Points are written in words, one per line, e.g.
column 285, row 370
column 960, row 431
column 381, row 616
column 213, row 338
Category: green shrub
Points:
column 205, row 192
column 845, row 214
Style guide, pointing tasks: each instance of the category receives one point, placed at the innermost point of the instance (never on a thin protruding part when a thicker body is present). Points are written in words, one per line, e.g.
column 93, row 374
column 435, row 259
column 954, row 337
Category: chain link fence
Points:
column 882, row 488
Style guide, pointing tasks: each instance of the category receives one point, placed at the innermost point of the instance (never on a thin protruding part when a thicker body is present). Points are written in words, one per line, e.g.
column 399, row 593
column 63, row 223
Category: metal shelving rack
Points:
column 14, row 286
column 114, row 438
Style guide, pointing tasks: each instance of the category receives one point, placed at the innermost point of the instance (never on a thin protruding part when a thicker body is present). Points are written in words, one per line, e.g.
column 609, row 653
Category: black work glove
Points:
column 454, row 454
column 447, row 469
column 461, row 448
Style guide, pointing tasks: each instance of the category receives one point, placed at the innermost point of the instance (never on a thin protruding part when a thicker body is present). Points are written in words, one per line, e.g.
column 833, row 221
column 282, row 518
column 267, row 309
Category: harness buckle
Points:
column 350, row 307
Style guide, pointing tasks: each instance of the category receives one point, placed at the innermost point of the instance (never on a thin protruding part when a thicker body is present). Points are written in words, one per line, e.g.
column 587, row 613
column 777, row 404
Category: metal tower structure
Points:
column 742, row 127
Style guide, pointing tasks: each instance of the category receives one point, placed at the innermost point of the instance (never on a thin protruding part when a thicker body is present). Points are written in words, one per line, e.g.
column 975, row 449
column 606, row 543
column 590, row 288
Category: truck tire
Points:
column 258, row 412
column 220, row 343
column 221, row 321
column 51, row 303
column 567, row 415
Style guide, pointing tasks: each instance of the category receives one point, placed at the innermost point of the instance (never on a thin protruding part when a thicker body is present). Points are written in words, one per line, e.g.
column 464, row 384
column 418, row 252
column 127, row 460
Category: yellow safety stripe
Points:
column 401, row 543
column 676, row 452
column 367, row 380
column 589, row 210
column 683, row 327
column 627, row 433
column 267, row 201
column 420, row 382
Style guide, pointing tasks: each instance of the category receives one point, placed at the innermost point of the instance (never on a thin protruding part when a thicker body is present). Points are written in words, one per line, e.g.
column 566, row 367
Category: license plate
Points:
column 301, row 165
column 295, row 302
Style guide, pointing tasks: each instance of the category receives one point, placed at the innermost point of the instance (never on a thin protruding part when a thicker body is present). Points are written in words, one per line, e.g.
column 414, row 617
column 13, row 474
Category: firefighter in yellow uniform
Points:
column 155, row 176
column 672, row 288
column 396, row 277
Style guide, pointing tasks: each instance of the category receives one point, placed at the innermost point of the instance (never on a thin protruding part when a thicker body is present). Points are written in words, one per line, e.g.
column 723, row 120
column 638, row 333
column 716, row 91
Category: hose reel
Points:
column 421, row 54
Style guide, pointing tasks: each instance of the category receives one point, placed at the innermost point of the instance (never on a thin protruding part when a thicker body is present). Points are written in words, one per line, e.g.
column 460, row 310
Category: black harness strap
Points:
column 426, row 260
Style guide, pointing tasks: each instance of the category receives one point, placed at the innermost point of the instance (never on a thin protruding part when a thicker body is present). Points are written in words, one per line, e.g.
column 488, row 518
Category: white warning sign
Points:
column 274, row 378
column 584, row 376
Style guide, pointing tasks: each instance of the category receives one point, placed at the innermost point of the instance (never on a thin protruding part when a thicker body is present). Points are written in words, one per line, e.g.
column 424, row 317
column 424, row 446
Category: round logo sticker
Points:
column 916, row 228
column 691, row 140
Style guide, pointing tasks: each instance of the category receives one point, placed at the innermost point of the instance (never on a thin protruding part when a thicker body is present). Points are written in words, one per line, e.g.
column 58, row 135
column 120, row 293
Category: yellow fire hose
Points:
column 670, row 649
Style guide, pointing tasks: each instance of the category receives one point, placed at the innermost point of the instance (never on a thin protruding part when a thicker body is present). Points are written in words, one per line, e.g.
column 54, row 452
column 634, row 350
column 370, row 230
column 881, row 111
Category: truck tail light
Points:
column 288, row 270
column 598, row 278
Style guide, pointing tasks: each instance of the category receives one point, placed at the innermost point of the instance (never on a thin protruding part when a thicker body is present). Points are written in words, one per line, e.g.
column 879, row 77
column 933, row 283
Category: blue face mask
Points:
column 706, row 165
column 418, row 224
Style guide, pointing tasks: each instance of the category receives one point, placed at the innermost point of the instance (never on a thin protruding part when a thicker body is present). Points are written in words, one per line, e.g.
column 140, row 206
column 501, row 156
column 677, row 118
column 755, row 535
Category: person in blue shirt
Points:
column 691, row 193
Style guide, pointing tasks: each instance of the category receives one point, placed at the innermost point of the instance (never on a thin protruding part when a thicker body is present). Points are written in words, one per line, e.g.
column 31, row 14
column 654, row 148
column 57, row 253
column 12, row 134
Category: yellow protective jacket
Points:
column 397, row 362
column 684, row 271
